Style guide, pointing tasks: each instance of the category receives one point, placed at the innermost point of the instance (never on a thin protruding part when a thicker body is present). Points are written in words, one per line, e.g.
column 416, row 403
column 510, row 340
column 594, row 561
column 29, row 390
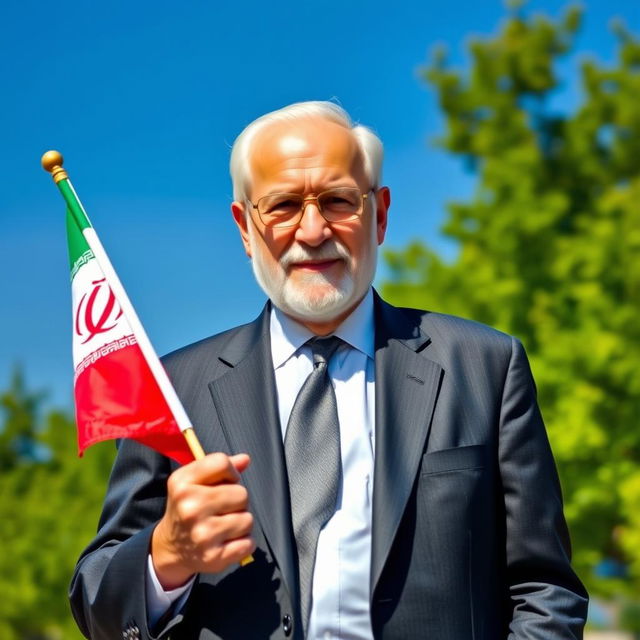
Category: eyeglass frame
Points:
column 308, row 199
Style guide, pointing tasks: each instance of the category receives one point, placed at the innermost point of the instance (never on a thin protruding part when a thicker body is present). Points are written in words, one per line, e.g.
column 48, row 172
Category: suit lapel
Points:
column 245, row 398
column 407, row 385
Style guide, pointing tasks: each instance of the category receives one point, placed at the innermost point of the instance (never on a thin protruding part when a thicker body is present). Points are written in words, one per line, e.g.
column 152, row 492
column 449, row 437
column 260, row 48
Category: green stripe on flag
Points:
column 73, row 204
column 79, row 252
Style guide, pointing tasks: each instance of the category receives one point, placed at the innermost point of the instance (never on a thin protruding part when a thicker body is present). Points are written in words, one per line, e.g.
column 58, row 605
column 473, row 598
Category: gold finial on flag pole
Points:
column 52, row 162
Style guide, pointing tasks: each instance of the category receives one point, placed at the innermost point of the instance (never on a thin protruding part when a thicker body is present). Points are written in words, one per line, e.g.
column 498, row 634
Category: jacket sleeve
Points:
column 108, row 587
column 547, row 599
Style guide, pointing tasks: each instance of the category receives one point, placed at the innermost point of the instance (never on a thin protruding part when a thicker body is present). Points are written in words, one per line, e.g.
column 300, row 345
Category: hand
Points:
column 206, row 526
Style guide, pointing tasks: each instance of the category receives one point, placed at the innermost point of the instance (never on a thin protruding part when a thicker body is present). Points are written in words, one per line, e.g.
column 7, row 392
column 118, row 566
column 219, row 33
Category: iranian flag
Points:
column 121, row 388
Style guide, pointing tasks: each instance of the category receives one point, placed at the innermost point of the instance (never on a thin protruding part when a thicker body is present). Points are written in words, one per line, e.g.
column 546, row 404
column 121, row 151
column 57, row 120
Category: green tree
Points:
column 549, row 250
column 49, row 506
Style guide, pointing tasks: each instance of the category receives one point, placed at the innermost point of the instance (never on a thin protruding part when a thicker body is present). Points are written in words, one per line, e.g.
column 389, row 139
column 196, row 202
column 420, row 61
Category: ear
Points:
column 383, row 202
column 240, row 217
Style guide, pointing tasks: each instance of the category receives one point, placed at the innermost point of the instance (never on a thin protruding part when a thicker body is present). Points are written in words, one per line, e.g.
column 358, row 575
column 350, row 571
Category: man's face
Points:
column 316, row 271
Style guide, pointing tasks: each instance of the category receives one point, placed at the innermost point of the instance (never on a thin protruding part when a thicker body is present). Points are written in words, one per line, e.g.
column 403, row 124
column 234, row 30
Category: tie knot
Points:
column 323, row 349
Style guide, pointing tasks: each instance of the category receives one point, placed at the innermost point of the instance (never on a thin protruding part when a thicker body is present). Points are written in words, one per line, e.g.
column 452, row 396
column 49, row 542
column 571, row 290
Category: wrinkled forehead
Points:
column 308, row 143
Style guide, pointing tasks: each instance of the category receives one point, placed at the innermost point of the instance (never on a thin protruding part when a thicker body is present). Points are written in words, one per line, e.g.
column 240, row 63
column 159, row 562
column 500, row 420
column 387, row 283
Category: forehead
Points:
column 305, row 150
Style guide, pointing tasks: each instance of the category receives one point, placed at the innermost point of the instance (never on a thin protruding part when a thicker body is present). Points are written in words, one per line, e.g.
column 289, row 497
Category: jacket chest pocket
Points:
column 453, row 488
column 456, row 459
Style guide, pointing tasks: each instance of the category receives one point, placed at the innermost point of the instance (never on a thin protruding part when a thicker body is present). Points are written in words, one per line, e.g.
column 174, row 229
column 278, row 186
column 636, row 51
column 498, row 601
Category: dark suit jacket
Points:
column 469, row 540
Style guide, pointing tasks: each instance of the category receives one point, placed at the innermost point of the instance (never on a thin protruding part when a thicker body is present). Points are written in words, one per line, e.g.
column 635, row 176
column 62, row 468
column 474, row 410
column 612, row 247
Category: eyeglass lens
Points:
column 286, row 208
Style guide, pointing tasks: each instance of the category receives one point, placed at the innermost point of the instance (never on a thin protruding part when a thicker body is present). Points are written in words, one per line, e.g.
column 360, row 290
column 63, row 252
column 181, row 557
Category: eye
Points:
column 336, row 200
column 341, row 200
column 279, row 205
column 286, row 204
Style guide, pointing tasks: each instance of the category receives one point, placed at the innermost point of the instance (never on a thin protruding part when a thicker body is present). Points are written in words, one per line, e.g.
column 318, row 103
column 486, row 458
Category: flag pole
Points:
column 52, row 162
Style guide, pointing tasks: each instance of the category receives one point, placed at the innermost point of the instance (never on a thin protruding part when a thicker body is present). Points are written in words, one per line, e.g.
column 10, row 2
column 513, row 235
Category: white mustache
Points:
column 329, row 250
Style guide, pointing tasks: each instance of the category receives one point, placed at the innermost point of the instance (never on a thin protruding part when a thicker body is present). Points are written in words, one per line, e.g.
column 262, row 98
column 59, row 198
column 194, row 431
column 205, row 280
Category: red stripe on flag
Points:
column 118, row 397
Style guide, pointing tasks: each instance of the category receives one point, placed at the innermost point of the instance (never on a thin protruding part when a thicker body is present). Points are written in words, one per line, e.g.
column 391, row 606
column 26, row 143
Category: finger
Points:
column 236, row 525
column 216, row 531
column 240, row 461
column 214, row 468
column 232, row 552
column 222, row 499
column 237, row 550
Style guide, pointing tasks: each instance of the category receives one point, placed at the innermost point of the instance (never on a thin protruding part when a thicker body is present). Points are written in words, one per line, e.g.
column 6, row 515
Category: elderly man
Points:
column 387, row 468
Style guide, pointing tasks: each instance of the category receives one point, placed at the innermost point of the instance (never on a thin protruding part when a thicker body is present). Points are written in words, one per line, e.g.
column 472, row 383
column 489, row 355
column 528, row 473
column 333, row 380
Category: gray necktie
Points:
column 312, row 451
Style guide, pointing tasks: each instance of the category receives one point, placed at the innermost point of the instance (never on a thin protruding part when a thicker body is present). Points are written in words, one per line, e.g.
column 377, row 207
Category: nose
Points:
column 312, row 229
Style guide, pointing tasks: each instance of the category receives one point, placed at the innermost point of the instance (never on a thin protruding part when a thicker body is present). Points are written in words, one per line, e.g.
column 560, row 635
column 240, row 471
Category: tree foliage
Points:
column 48, row 512
column 549, row 250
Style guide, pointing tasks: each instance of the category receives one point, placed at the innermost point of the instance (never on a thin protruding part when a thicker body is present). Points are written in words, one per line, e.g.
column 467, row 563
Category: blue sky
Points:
column 144, row 100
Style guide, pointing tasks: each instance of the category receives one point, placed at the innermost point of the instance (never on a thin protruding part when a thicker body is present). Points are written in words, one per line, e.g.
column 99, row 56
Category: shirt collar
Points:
column 287, row 335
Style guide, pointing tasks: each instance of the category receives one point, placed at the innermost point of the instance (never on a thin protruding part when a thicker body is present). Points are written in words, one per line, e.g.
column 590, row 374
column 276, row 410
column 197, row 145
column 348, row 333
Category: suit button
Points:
column 287, row 625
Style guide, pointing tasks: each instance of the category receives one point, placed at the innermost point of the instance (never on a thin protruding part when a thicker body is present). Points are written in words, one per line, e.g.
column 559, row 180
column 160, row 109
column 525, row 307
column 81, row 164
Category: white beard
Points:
column 316, row 297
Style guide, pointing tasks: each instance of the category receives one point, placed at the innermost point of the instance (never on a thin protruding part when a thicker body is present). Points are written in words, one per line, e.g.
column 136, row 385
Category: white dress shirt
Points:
column 340, row 593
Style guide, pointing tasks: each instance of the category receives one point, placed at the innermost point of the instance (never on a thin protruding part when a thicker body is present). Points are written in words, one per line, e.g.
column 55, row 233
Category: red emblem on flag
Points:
column 97, row 313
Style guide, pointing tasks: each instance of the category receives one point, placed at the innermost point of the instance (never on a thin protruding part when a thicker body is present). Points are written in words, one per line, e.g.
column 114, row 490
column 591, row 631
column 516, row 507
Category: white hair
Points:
column 369, row 143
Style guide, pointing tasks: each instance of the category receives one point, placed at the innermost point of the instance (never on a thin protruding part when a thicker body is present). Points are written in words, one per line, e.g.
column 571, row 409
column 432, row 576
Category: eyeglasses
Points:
column 279, row 210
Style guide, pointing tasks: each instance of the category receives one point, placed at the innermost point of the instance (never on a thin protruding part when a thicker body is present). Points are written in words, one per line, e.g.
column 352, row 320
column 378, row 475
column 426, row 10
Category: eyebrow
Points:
column 327, row 187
